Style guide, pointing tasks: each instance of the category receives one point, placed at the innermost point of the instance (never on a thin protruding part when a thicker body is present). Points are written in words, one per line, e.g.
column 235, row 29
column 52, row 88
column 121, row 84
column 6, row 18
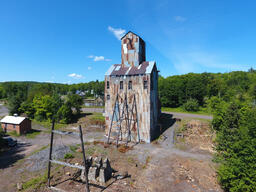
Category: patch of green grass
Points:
column 68, row 156
column 41, row 149
column 93, row 106
column 97, row 116
column 35, row 183
column 73, row 148
column 48, row 124
column 96, row 150
column 13, row 133
column 202, row 111
column 32, row 134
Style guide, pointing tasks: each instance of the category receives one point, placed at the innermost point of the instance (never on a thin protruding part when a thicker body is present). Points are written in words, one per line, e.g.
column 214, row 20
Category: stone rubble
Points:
column 98, row 171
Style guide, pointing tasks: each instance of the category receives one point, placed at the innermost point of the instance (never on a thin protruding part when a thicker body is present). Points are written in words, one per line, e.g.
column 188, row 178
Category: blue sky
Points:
column 76, row 41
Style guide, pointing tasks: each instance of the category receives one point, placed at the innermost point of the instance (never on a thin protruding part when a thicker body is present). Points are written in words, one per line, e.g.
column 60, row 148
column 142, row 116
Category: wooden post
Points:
column 50, row 154
column 109, row 131
column 85, row 165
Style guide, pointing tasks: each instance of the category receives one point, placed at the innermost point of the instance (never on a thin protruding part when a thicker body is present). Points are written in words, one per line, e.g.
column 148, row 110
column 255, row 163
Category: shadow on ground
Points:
column 165, row 121
column 11, row 156
column 79, row 116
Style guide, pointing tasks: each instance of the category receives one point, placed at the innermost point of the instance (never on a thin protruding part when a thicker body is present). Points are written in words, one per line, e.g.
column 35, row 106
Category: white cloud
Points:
column 180, row 18
column 75, row 76
column 119, row 33
column 98, row 58
column 89, row 68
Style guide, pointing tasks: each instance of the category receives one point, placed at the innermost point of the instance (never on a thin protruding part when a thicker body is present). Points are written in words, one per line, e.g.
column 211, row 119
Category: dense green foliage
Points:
column 191, row 105
column 176, row 90
column 235, row 124
column 43, row 101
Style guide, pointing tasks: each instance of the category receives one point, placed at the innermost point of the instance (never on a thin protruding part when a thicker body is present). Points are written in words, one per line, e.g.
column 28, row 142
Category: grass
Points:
column 202, row 111
column 13, row 133
column 68, row 156
column 96, row 150
column 73, row 148
column 35, row 183
column 48, row 124
column 97, row 117
column 41, row 149
column 32, row 134
column 93, row 106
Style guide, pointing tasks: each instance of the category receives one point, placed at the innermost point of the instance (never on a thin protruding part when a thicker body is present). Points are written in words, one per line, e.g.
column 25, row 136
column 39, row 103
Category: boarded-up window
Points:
column 107, row 84
column 130, row 85
column 145, row 84
column 121, row 84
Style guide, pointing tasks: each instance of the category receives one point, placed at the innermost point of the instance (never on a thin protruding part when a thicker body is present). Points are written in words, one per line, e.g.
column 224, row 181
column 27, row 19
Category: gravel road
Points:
column 189, row 115
column 3, row 110
column 93, row 110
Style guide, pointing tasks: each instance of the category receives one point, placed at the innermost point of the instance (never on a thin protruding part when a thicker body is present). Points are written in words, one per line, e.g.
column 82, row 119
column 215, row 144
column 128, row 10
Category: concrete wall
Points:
column 155, row 105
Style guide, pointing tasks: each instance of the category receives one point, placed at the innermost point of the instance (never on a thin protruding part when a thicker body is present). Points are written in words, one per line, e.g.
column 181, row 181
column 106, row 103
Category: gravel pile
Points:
column 39, row 160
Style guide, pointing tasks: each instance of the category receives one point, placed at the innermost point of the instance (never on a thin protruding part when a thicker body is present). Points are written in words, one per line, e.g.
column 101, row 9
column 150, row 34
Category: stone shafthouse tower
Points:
column 137, row 80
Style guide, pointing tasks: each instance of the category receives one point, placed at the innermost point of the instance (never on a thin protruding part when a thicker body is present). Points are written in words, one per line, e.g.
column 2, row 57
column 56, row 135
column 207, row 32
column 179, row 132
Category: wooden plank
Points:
column 56, row 189
column 67, row 164
column 66, row 133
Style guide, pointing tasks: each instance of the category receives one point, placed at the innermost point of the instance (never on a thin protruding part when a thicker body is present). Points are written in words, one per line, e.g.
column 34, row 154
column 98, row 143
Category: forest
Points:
column 230, row 97
column 43, row 101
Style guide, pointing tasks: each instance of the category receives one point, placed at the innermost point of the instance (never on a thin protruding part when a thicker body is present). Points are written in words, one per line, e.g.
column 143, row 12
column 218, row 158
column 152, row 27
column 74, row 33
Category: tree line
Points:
column 43, row 101
column 201, row 89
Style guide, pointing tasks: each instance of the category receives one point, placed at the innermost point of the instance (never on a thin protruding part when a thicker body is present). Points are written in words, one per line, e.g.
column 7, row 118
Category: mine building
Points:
column 132, row 106
column 16, row 123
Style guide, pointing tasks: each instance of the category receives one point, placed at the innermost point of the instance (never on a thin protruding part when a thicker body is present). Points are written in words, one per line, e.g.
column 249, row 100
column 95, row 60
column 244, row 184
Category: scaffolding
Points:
column 124, row 113
column 85, row 168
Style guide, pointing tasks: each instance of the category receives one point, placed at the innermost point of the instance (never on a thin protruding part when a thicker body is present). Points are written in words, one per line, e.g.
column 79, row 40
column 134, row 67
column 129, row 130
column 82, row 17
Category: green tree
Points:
column 191, row 105
column 64, row 114
column 75, row 101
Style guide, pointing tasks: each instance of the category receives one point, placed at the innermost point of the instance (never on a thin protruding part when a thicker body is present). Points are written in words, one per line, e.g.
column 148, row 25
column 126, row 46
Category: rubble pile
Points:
column 199, row 134
column 98, row 170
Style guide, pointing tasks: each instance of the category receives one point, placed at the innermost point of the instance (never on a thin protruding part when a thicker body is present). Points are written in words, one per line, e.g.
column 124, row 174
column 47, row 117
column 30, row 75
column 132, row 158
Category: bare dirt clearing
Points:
column 159, row 166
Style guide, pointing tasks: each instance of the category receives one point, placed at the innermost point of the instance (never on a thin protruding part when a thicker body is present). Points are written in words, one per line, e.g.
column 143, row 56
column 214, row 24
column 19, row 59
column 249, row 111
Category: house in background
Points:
column 21, row 125
column 94, row 102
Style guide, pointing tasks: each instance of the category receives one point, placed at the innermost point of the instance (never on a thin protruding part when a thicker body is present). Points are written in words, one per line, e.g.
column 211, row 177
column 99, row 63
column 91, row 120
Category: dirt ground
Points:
column 159, row 166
